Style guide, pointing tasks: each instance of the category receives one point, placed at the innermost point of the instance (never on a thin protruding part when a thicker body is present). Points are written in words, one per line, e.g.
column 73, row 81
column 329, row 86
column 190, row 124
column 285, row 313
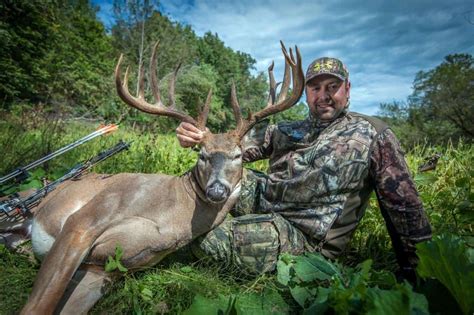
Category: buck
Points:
column 79, row 225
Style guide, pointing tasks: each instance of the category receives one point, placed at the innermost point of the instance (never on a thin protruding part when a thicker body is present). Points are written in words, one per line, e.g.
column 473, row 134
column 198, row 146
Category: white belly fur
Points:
column 41, row 240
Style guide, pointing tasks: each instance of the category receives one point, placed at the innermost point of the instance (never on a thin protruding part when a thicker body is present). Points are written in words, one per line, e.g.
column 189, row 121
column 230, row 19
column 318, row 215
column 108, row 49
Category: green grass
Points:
column 447, row 193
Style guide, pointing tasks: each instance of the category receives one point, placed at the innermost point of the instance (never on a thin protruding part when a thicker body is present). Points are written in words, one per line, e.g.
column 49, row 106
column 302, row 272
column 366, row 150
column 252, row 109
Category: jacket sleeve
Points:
column 398, row 199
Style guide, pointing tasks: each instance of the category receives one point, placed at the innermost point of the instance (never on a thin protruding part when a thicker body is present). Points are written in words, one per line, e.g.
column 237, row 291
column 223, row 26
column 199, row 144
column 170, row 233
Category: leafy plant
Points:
column 448, row 259
column 319, row 285
column 269, row 302
column 114, row 262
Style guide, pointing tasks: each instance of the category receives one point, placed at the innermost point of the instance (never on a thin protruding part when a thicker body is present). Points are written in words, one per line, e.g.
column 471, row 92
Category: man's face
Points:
column 327, row 96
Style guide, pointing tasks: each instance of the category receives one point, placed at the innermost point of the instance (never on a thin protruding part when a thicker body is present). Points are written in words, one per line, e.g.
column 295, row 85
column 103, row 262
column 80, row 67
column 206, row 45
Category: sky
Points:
column 383, row 43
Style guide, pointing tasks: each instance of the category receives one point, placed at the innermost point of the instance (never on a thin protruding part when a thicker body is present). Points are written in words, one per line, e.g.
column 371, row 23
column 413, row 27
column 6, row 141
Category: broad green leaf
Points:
column 447, row 259
column 34, row 183
column 284, row 266
column 269, row 302
column 304, row 294
column 441, row 301
column 321, row 303
column 425, row 178
column 314, row 266
column 400, row 300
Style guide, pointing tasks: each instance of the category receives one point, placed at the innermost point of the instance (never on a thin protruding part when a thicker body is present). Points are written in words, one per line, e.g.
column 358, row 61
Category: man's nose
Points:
column 323, row 94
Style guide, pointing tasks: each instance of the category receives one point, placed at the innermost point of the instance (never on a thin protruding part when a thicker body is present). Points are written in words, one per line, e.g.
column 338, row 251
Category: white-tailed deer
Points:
column 80, row 224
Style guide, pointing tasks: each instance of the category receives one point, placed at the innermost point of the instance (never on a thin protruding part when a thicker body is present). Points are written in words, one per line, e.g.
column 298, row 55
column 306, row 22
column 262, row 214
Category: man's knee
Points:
column 252, row 242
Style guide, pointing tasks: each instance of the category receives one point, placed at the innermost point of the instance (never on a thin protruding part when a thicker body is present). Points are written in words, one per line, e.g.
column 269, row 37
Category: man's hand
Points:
column 188, row 135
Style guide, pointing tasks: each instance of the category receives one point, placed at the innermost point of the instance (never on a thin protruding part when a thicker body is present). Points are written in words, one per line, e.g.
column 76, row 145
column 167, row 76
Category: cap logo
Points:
column 317, row 67
column 327, row 65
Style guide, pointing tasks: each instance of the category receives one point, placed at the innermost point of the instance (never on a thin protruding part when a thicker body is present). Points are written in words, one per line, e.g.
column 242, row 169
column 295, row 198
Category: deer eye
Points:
column 237, row 156
column 202, row 157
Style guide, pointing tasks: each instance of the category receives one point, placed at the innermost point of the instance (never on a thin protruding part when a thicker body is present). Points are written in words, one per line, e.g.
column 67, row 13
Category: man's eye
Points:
column 333, row 87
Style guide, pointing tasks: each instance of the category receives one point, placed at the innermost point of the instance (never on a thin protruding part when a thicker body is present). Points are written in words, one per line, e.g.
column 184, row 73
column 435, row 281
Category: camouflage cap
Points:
column 327, row 65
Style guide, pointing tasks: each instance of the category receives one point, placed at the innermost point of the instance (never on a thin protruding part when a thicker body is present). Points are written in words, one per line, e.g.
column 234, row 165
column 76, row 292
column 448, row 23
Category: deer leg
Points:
column 88, row 285
column 59, row 266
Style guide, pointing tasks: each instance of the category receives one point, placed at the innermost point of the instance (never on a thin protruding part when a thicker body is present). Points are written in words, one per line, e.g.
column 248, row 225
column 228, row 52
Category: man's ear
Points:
column 348, row 89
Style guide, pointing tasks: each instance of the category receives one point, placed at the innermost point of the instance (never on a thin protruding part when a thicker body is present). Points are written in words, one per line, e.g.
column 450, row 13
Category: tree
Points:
column 27, row 30
column 53, row 52
column 441, row 107
column 131, row 18
column 81, row 59
column 446, row 93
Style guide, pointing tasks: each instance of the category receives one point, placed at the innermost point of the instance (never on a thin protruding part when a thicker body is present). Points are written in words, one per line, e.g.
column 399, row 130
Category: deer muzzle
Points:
column 217, row 192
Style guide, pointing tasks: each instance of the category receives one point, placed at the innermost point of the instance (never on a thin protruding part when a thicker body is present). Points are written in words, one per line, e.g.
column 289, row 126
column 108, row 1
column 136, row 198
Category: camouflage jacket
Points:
column 321, row 176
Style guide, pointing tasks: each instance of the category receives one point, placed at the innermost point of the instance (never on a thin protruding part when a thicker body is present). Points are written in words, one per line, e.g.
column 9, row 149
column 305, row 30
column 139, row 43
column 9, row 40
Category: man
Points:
column 322, row 171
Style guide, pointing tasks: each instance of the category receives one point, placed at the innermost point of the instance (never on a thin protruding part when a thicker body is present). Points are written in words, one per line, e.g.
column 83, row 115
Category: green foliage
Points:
column 80, row 60
column 114, row 263
column 232, row 67
column 26, row 29
column 63, row 58
column 207, row 63
column 175, row 288
column 447, row 195
column 441, row 107
column 448, row 259
column 446, row 192
column 297, row 112
column 268, row 302
column 27, row 133
column 61, row 55
column 319, row 286
column 58, row 53
column 17, row 273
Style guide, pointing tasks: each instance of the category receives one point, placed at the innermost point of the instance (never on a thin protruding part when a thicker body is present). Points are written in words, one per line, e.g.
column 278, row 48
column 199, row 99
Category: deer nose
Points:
column 217, row 192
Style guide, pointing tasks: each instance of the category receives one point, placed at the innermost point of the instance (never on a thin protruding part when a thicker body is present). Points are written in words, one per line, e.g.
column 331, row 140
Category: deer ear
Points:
column 255, row 137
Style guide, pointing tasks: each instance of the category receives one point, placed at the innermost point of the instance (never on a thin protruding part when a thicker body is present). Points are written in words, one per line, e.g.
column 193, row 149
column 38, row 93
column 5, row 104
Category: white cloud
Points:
column 383, row 43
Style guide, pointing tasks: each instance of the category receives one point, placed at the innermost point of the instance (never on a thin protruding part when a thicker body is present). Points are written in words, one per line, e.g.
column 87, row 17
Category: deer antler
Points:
column 158, row 108
column 283, row 102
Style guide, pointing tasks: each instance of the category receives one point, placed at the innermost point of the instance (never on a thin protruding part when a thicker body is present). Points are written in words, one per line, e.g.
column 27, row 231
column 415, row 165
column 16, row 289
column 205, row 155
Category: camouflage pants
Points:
column 250, row 240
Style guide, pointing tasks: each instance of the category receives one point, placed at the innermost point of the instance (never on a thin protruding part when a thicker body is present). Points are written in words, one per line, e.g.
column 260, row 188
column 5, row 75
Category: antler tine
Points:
column 236, row 107
column 154, row 79
column 171, row 95
column 273, row 85
column 282, row 104
column 202, row 119
column 286, row 83
column 125, row 83
column 141, row 104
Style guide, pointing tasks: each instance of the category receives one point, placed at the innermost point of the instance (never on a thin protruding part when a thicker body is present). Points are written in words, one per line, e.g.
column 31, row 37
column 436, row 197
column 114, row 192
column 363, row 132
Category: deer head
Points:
column 219, row 168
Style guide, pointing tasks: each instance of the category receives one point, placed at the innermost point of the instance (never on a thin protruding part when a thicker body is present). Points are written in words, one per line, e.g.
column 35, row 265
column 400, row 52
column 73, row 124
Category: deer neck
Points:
column 192, row 185
column 198, row 193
